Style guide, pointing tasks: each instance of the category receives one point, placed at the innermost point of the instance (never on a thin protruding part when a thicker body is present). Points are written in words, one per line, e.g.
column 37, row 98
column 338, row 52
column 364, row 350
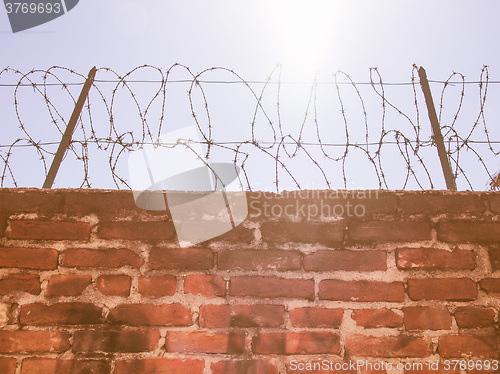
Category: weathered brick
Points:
column 239, row 234
column 181, row 259
column 101, row 258
column 442, row 289
column 101, row 202
column 28, row 201
column 494, row 203
column 29, row 283
column 68, row 285
column 49, row 230
column 160, row 366
column 8, row 365
column 34, row 341
column 151, row 315
column 385, row 231
column 439, row 202
column 242, row 315
column 372, row 318
column 474, row 317
column 61, row 314
column 430, row 258
column 427, row 318
column 494, row 254
column 333, row 289
column 388, row 346
column 114, row 285
column 3, row 225
column 243, row 366
column 28, row 258
column 133, row 230
column 205, row 285
column 205, row 342
column 491, row 286
column 259, row 260
column 53, row 365
column 295, row 343
column 316, row 317
column 272, row 287
column 329, row 260
column 115, row 341
column 468, row 345
column 303, row 232
column 470, row 231
column 157, row 286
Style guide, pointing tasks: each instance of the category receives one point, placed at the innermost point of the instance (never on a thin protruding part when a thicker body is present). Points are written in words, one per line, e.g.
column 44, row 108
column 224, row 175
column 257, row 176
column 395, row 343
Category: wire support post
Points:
column 68, row 134
column 436, row 130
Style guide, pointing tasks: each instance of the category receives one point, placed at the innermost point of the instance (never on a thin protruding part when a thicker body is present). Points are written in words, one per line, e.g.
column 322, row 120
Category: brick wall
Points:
column 89, row 283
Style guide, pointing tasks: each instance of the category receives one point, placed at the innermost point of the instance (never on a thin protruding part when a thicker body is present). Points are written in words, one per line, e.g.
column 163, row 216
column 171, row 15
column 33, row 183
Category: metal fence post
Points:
column 436, row 130
column 66, row 139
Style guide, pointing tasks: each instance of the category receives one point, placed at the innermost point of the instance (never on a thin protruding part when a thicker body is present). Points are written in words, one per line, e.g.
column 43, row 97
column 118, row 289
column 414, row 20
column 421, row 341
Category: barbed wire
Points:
column 311, row 142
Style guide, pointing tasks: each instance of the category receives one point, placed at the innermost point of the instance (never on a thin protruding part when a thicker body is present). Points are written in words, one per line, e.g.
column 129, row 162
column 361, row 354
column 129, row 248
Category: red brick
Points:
column 303, row 232
column 115, row 341
column 101, row 258
column 333, row 289
column 329, row 260
column 243, row 366
column 162, row 285
column 28, row 258
column 204, row 342
column 425, row 368
column 295, row 343
column 372, row 318
column 61, row 314
column 151, row 315
column 205, row 285
column 494, row 202
column 20, row 282
column 68, row 285
column 259, row 260
column 52, row 365
column 491, row 286
column 429, row 258
column 316, row 317
column 114, row 285
column 106, row 203
column 133, row 230
column 474, row 317
column 388, row 346
column 468, row 345
column 49, row 230
column 440, row 202
column 470, row 231
column 27, row 201
column 181, row 259
column 34, row 341
column 427, row 318
column 494, row 253
column 442, row 289
column 272, row 287
column 8, row 365
column 160, row 366
column 239, row 234
column 242, row 315
column 389, row 231
column 3, row 225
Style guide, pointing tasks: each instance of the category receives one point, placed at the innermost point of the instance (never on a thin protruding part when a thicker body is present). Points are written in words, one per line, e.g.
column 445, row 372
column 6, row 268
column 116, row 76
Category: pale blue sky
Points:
column 251, row 37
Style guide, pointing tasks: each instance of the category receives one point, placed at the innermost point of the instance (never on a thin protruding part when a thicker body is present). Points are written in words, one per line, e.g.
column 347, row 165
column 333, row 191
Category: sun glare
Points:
column 306, row 33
